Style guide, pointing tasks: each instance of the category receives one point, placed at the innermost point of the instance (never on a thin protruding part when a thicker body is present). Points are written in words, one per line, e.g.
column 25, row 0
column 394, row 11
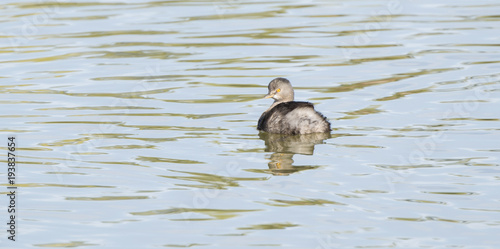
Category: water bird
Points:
column 286, row 116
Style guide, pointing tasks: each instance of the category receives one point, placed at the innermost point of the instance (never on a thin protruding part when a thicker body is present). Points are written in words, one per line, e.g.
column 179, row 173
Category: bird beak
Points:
column 270, row 95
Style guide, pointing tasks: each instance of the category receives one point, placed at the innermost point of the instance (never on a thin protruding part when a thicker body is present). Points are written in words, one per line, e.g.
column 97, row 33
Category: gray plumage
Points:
column 286, row 116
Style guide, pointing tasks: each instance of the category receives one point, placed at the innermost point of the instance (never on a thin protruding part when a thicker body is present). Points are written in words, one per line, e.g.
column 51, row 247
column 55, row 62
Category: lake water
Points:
column 135, row 124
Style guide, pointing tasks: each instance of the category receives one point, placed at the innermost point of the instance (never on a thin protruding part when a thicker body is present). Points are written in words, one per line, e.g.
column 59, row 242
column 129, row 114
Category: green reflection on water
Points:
column 65, row 173
column 191, row 44
column 227, row 98
column 301, row 202
column 185, row 115
column 167, row 160
column 405, row 93
column 125, row 95
column 211, row 181
column 217, row 214
column 368, row 110
column 395, row 78
column 173, row 128
column 107, row 198
column 183, row 246
column 424, row 201
column 269, row 226
column 261, row 59
column 80, row 18
column 67, row 142
column 59, row 4
column 109, row 33
column 451, row 193
column 68, row 244
column 152, row 54
column 97, row 108
column 126, row 147
column 431, row 218
column 36, row 185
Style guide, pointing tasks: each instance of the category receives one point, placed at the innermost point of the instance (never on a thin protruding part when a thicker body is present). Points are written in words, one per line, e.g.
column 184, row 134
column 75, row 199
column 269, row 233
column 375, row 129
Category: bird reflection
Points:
column 286, row 146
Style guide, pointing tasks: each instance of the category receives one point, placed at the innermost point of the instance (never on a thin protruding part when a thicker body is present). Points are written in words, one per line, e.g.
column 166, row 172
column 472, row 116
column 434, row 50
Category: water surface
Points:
column 136, row 123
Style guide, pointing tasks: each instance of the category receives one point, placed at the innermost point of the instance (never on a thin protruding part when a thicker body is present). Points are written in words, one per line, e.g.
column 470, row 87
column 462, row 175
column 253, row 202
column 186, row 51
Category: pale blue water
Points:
column 136, row 124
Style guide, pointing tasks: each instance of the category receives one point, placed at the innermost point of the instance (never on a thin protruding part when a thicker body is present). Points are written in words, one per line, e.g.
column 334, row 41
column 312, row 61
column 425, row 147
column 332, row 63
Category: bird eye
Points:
column 278, row 90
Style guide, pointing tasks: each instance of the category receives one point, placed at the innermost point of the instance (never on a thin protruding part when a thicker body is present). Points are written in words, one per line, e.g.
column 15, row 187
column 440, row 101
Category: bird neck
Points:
column 277, row 102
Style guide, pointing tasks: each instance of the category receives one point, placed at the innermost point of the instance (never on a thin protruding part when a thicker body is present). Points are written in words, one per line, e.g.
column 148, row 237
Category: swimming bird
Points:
column 286, row 116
